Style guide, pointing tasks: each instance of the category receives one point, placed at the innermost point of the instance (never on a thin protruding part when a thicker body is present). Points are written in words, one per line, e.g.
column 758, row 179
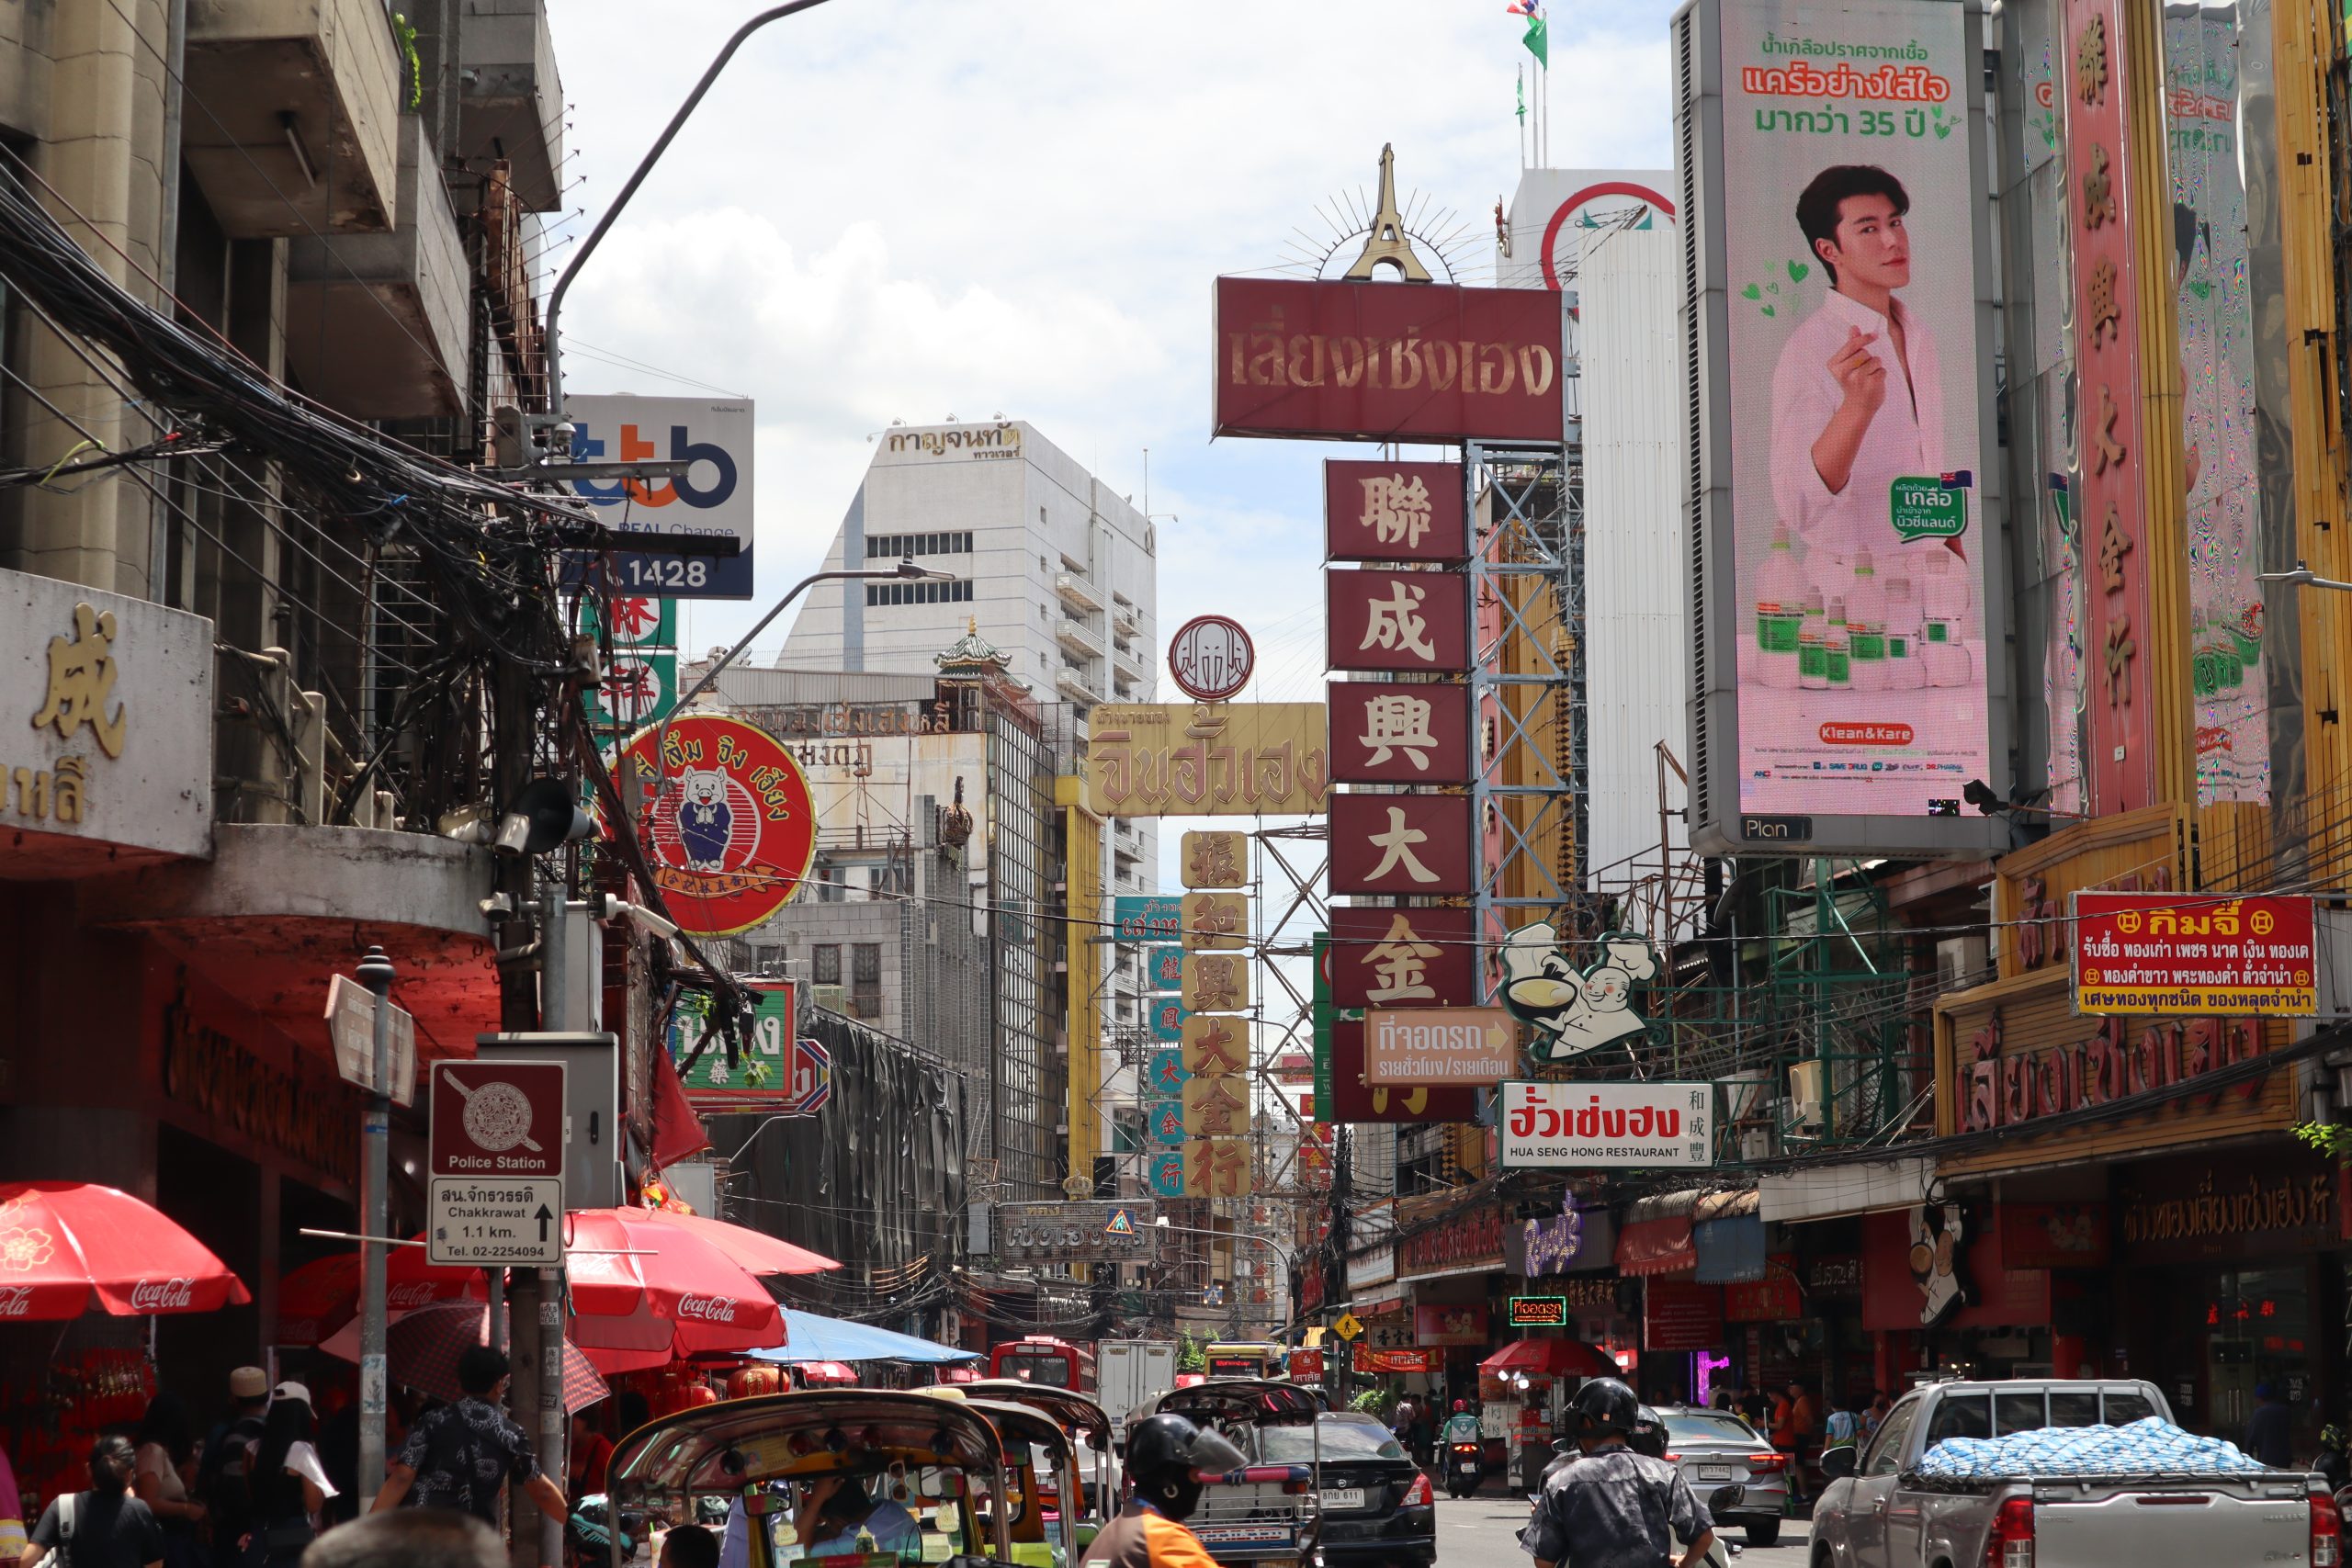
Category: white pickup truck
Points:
column 1879, row 1512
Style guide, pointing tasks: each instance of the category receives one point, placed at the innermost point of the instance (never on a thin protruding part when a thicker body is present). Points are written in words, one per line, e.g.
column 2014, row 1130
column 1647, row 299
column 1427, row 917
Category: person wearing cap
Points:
column 458, row 1456
column 1613, row 1508
column 1167, row 1456
column 223, row 1476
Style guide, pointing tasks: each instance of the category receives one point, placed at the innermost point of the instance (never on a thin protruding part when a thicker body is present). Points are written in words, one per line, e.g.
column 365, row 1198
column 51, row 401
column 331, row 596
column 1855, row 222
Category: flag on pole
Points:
column 1522, row 95
column 1538, row 36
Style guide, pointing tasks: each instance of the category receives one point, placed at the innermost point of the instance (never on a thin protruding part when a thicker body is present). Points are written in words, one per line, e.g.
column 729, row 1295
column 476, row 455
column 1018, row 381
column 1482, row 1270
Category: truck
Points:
column 1129, row 1373
column 1879, row 1511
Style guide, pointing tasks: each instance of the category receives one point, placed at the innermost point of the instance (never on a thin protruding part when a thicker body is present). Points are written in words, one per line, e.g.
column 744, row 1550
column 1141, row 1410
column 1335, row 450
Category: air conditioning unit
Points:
column 1962, row 960
column 1756, row 1143
column 1806, row 1080
column 832, row 998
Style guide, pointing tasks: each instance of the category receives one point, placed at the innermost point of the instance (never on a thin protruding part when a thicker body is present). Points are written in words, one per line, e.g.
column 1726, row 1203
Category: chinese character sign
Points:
column 1216, row 982
column 1215, row 859
column 1216, row 921
column 1399, row 734
column 1405, row 621
column 1402, row 844
column 1394, row 511
column 1217, row 1167
column 1569, row 1126
column 1404, row 957
column 1167, row 1017
column 1215, row 1045
column 1166, row 967
column 1167, row 1166
column 1216, row 1108
column 1164, row 1073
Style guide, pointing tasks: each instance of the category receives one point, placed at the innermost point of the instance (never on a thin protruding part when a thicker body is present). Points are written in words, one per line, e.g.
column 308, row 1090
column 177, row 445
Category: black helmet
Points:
column 1165, row 1454
column 1648, row 1433
column 1605, row 1405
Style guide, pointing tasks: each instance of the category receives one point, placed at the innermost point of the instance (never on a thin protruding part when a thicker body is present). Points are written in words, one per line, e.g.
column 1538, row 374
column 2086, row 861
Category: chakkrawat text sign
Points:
column 493, row 1222
column 1091, row 1231
column 2182, row 952
column 1548, row 1125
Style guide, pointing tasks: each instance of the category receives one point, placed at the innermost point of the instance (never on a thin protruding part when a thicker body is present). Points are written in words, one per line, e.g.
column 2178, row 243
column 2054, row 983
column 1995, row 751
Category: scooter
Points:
column 1721, row 1501
column 1465, row 1468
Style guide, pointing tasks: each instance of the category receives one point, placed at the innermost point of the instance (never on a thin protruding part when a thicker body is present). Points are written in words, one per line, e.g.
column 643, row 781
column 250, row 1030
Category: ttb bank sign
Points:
column 713, row 497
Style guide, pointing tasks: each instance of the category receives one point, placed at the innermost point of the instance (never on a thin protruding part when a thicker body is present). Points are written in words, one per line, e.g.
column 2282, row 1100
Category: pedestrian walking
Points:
column 461, row 1455
column 2270, row 1430
column 164, row 1465
column 289, row 1482
column 223, row 1475
column 107, row 1526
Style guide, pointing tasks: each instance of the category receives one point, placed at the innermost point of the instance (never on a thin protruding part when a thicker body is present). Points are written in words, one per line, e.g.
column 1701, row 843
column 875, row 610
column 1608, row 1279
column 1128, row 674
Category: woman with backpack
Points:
column 105, row 1527
column 290, row 1483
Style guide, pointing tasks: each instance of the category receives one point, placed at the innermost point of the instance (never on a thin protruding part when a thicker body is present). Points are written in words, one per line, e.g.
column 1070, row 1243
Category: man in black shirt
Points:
column 105, row 1526
column 458, row 1456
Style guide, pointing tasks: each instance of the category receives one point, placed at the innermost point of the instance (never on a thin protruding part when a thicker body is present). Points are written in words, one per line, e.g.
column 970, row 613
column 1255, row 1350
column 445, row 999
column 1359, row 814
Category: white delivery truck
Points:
column 1129, row 1373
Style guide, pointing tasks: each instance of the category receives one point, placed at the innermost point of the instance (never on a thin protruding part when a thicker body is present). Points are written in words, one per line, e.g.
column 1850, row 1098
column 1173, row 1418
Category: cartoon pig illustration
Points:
column 705, row 821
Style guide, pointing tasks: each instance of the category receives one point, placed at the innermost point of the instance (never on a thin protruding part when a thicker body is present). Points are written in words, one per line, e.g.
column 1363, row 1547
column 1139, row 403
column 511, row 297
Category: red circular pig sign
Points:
column 732, row 828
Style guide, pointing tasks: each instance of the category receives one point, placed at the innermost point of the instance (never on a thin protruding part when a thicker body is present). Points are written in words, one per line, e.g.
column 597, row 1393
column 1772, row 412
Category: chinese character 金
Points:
column 2090, row 61
column 1400, row 961
column 1397, row 510
column 1396, row 850
column 81, row 679
column 1219, row 1111
column 1394, row 724
column 1395, row 622
column 2113, row 546
column 2098, row 191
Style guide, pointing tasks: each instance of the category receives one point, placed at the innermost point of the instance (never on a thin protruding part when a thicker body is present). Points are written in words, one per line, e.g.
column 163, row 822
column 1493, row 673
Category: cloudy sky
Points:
column 905, row 209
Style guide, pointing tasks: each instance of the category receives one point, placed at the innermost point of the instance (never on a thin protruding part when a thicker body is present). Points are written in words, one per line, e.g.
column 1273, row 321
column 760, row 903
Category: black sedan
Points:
column 1377, row 1507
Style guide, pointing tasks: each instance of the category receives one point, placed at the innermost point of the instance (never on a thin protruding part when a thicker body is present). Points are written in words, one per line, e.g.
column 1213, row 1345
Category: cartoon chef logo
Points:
column 1940, row 1262
column 730, row 827
column 1573, row 1011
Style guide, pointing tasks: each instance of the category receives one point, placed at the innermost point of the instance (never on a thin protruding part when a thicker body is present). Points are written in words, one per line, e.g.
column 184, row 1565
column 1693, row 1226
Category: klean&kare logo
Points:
column 636, row 443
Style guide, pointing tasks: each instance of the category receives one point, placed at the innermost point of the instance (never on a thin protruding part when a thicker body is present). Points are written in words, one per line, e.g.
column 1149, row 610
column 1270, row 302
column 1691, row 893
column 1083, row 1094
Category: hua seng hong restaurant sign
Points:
column 2180, row 953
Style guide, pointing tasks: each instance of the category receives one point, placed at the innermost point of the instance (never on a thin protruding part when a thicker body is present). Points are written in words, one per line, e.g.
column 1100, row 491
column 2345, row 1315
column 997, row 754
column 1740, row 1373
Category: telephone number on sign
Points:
column 495, row 1251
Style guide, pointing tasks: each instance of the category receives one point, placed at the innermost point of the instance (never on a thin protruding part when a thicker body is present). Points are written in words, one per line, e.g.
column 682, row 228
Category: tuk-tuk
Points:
column 1265, row 1513
column 1042, row 1466
column 932, row 1472
column 1087, row 1423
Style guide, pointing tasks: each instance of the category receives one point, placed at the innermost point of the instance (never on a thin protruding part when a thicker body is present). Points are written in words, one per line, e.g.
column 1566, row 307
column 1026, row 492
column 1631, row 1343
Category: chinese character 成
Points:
column 1395, row 622
column 81, row 679
column 1396, row 850
column 1395, row 724
column 1400, row 961
column 1396, row 510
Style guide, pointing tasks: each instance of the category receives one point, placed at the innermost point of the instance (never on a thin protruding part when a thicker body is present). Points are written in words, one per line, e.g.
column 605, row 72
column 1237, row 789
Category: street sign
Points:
column 351, row 1022
column 1348, row 1328
column 488, row 1222
column 497, row 1119
column 1077, row 1231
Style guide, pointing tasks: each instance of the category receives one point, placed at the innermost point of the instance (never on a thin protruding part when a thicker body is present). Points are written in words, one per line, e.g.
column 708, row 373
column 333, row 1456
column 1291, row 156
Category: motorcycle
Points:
column 1465, row 1468
column 1722, row 1500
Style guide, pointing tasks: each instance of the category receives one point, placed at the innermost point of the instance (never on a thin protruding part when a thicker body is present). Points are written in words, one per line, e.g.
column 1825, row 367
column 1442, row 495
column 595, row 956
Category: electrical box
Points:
column 591, row 1126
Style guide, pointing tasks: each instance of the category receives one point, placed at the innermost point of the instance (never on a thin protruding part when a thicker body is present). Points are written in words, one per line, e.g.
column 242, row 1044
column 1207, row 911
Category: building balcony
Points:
column 1075, row 688
column 510, row 96
column 1131, row 664
column 300, row 132
column 1078, row 639
column 1125, row 619
column 1079, row 593
column 376, row 324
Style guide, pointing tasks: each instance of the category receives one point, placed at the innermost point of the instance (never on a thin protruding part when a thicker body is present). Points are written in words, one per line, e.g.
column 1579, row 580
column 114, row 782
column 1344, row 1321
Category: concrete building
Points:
column 206, row 652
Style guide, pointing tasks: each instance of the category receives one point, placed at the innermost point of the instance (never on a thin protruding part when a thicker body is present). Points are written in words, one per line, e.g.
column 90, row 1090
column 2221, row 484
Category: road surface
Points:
column 1481, row 1532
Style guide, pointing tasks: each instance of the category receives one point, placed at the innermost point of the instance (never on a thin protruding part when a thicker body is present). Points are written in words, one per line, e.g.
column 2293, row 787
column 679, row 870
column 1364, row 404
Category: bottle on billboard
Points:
column 1780, row 600
column 1946, row 606
column 1840, row 651
column 1903, row 671
column 1866, row 626
column 1813, row 645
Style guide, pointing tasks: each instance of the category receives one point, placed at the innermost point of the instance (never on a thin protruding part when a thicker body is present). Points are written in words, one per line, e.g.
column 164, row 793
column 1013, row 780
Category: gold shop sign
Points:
column 1208, row 760
column 2227, row 1205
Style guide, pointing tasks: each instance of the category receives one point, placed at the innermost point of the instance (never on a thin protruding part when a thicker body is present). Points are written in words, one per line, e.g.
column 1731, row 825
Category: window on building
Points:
column 865, row 980
column 767, row 959
column 825, row 963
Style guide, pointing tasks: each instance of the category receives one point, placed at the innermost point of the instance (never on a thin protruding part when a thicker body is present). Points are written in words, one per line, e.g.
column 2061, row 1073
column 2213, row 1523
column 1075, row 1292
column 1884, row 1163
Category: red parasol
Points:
column 757, row 1251
column 63, row 1243
column 641, row 1282
column 321, row 1295
column 1551, row 1358
column 423, row 1348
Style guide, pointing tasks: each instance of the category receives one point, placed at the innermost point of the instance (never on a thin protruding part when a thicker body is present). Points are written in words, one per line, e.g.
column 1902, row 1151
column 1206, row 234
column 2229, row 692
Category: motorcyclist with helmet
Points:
column 1461, row 1427
column 1167, row 1455
column 1614, row 1507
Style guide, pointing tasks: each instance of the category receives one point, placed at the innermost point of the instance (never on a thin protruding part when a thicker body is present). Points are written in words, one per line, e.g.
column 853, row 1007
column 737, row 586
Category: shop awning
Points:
column 1656, row 1246
column 1551, row 1358
column 811, row 1337
column 1833, row 1191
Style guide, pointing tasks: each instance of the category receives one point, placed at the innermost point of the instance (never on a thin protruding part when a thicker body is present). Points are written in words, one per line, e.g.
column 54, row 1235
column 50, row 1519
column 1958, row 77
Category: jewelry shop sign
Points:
column 2183, row 952
column 1550, row 1126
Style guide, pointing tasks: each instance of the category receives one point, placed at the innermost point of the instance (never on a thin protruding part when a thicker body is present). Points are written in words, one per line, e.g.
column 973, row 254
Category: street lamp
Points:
column 2302, row 577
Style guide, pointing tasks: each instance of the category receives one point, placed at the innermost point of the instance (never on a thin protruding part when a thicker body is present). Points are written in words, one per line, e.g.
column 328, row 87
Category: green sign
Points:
column 1537, row 1312
column 638, row 623
column 1323, row 1013
column 1924, row 508
column 636, row 691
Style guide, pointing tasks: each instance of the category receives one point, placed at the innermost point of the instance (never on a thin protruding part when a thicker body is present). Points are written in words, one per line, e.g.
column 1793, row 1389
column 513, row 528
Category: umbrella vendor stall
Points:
column 1530, row 1381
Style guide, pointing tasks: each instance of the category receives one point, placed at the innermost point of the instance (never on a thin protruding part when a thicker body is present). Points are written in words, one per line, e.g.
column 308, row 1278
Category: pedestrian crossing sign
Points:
column 1121, row 1223
column 1347, row 1328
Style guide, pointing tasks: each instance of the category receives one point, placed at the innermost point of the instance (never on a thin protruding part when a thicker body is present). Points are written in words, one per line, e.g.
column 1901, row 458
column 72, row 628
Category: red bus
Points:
column 1049, row 1363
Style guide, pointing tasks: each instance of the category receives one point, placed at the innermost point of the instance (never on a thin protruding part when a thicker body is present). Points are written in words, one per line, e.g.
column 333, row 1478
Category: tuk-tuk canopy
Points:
column 742, row 1443
column 1241, row 1399
column 1073, row 1412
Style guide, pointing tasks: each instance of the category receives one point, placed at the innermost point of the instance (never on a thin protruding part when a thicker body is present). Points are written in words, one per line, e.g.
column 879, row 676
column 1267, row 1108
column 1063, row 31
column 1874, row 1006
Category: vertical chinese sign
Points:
column 2109, row 493
column 1215, row 990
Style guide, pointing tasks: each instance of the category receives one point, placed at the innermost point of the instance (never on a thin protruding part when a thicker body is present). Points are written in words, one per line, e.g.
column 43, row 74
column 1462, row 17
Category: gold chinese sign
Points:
column 1216, row 859
column 1212, row 1045
column 1216, row 1108
column 1215, row 923
column 1216, row 982
column 1208, row 760
column 79, row 696
column 1217, row 1167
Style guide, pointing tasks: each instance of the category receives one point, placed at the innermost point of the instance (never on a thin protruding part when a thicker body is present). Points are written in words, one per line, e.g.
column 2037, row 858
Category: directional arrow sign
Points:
column 494, row 1222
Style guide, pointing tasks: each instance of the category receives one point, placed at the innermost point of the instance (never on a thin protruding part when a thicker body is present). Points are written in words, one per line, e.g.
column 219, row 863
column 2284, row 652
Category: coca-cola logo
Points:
column 16, row 1301
column 709, row 1309
column 162, row 1295
column 410, row 1296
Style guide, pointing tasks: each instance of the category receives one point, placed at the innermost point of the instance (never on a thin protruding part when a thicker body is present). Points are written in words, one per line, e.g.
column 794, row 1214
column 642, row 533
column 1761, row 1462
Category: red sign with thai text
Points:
column 1678, row 1315
column 1394, row 511
column 1384, row 733
column 1775, row 1298
column 1407, row 622
column 1382, row 958
column 1384, row 362
column 2182, row 952
column 1401, row 844
column 1352, row 1100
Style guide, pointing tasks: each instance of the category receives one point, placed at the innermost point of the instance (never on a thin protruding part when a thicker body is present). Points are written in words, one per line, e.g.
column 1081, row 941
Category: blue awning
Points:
column 809, row 1338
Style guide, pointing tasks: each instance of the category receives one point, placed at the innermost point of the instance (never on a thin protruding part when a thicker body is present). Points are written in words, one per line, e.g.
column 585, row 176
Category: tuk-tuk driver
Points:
column 835, row 1510
column 1167, row 1456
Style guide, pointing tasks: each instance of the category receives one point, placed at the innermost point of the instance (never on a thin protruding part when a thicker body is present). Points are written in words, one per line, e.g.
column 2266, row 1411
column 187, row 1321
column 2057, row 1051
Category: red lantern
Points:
column 751, row 1382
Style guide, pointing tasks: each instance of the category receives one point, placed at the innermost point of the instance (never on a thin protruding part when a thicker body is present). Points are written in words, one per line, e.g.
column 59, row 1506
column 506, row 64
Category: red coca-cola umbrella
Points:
column 66, row 1246
column 1551, row 1358
column 641, row 1284
column 757, row 1251
column 321, row 1295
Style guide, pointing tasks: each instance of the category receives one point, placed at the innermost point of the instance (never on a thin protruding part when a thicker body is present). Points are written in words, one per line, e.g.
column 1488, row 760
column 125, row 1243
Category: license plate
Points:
column 1344, row 1496
column 1715, row 1473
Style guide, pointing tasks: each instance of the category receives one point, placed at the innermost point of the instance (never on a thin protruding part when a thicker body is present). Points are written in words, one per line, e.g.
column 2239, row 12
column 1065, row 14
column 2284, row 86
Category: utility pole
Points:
column 555, row 1016
column 375, row 973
